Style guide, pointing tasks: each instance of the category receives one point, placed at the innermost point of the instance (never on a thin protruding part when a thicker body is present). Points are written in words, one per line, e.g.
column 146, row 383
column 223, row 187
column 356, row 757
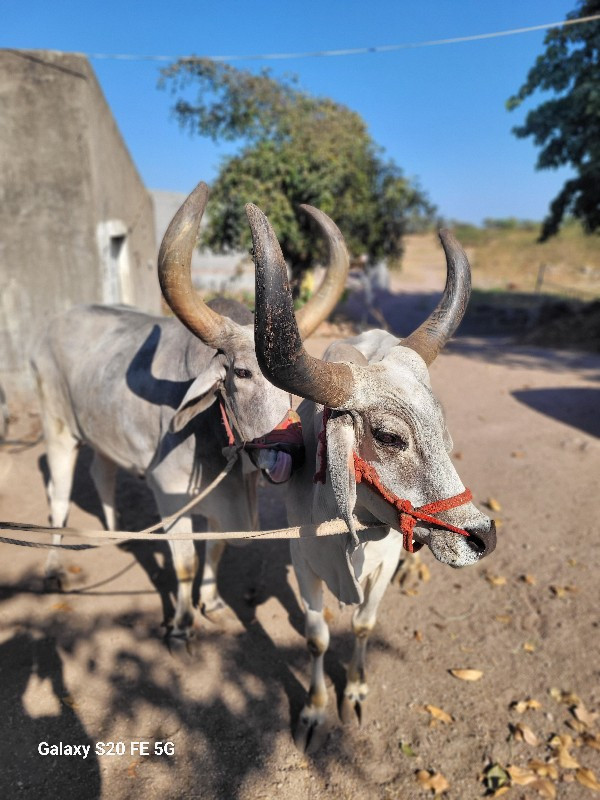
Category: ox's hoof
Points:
column 312, row 730
column 179, row 640
column 181, row 633
column 352, row 708
column 216, row 610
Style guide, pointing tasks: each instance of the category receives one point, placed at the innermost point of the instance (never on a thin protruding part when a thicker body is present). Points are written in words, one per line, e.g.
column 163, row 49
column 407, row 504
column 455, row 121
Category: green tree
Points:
column 567, row 127
column 294, row 148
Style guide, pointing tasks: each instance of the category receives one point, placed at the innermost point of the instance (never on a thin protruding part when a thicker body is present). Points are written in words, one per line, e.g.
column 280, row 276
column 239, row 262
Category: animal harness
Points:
column 407, row 514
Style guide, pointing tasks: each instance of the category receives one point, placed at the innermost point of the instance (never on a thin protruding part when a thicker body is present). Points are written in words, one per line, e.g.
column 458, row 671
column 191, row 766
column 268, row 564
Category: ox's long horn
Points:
column 279, row 350
column 431, row 336
column 174, row 270
column 322, row 303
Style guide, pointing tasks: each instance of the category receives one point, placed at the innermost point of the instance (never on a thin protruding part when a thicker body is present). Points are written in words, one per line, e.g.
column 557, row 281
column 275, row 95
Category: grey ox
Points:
column 141, row 391
column 380, row 452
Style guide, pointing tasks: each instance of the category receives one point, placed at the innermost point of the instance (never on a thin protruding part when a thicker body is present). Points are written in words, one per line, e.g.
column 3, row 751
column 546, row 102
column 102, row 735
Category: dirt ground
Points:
column 89, row 666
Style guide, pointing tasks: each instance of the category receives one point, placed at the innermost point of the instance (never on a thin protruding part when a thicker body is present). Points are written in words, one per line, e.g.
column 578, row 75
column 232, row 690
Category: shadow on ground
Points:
column 576, row 406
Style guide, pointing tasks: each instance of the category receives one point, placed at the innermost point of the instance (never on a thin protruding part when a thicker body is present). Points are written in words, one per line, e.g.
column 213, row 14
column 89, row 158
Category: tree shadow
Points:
column 223, row 739
column 576, row 406
column 26, row 658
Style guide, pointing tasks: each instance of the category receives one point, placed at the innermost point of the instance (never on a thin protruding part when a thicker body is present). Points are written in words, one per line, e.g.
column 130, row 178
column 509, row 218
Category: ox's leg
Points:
column 363, row 622
column 185, row 562
column 61, row 450
column 311, row 729
column 104, row 475
column 211, row 602
column 241, row 515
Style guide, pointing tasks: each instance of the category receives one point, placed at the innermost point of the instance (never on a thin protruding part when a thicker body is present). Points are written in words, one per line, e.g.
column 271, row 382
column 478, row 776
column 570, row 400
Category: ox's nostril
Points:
column 476, row 544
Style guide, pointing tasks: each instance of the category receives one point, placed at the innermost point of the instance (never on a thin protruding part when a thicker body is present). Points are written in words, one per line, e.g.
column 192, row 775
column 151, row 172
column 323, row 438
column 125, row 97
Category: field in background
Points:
column 510, row 258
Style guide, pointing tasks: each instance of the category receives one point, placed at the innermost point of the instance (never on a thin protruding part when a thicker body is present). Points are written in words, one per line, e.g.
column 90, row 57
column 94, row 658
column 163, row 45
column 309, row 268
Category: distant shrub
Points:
column 510, row 224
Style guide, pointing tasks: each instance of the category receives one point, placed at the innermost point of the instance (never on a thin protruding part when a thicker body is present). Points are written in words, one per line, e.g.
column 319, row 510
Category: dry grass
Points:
column 568, row 264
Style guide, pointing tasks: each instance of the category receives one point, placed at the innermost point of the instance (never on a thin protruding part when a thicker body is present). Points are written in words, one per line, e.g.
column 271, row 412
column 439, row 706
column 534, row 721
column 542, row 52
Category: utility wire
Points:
column 388, row 48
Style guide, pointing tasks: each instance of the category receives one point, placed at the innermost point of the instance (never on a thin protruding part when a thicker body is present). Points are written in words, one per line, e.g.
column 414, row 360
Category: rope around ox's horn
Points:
column 102, row 538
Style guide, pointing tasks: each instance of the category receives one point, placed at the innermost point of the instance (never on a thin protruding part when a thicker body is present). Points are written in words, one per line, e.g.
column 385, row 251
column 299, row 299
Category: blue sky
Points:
column 438, row 111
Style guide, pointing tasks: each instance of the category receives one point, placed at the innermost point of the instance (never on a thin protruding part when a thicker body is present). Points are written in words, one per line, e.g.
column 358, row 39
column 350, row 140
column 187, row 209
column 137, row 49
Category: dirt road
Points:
column 90, row 666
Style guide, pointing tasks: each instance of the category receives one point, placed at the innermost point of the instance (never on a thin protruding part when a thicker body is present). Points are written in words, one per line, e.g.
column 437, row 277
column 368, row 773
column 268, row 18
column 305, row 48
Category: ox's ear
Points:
column 340, row 465
column 201, row 394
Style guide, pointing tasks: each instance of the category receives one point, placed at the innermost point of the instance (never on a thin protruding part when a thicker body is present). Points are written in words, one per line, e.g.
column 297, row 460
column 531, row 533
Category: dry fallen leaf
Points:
column 433, row 780
column 424, row 572
column 545, row 769
column 74, row 569
column 132, row 768
column 410, row 592
column 517, row 454
column 563, row 591
column 591, row 740
column 62, row 606
column 569, row 698
column 418, row 635
column 545, row 788
column 576, row 726
column 493, row 504
column 587, row 778
column 467, row 674
column 495, row 580
column 529, row 647
column 566, row 760
column 583, row 715
column 69, row 700
column 407, row 749
column 495, row 778
column 505, row 619
column 524, row 733
column 530, row 580
column 439, row 714
column 521, row 776
column 561, row 744
column 525, row 705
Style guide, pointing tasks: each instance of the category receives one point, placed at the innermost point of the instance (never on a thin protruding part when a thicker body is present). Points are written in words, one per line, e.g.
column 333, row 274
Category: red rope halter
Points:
column 407, row 514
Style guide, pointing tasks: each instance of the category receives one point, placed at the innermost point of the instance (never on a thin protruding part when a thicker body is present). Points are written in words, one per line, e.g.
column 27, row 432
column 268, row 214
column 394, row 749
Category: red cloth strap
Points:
column 289, row 431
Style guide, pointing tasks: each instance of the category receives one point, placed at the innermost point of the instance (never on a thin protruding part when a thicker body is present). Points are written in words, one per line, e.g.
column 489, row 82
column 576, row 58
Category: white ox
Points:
column 141, row 391
column 383, row 455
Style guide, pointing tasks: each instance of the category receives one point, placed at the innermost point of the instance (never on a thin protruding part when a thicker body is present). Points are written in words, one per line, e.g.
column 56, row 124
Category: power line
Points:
column 389, row 48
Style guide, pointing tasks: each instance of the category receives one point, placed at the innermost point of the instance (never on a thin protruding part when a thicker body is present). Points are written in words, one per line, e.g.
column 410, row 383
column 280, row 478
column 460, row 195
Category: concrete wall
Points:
column 73, row 209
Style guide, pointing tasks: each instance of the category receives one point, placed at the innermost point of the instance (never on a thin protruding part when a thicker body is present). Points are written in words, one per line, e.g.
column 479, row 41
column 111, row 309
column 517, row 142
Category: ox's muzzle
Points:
column 281, row 451
column 482, row 542
column 458, row 550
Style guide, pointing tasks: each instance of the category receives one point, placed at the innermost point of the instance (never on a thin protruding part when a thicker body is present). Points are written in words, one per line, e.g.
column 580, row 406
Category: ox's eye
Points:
column 242, row 373
column 390, row 439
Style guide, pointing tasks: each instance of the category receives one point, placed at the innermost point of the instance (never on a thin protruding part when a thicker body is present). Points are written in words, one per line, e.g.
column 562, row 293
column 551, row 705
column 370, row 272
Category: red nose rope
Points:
column 407, row 515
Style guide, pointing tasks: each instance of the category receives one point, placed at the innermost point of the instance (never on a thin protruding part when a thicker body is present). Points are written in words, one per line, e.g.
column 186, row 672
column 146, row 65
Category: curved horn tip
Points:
column 447, row 237
column 197, row 197
column 253, row 212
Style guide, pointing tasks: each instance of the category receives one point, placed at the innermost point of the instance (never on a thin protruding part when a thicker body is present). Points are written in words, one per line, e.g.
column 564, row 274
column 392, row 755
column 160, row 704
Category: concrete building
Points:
column 76, row 222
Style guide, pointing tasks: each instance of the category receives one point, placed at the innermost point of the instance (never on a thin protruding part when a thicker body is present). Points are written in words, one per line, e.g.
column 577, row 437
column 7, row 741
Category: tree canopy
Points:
column 294, row 148
column 567, row 127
